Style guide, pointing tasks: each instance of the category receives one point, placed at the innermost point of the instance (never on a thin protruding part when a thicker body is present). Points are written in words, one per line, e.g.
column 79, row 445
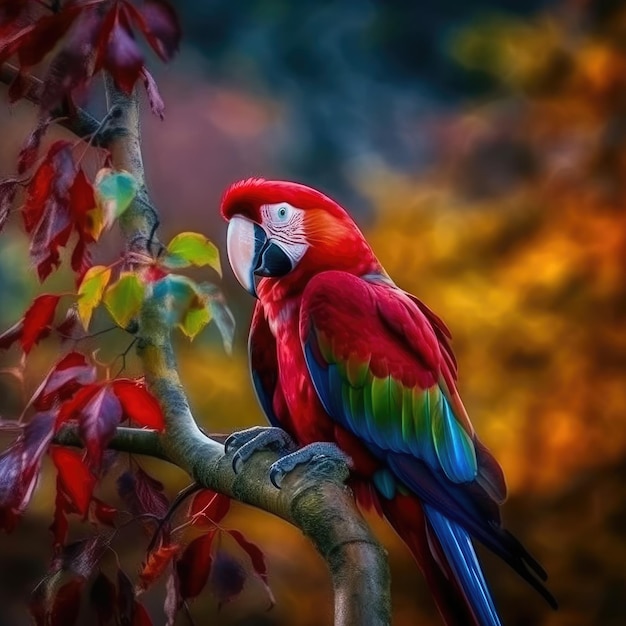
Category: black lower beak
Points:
column 271, row 259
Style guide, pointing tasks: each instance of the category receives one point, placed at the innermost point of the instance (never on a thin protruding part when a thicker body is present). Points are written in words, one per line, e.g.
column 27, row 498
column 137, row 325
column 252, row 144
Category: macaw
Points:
column 349, row 365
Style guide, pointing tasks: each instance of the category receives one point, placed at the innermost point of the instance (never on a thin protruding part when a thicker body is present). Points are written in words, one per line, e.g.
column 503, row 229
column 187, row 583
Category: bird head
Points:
column 280, row 229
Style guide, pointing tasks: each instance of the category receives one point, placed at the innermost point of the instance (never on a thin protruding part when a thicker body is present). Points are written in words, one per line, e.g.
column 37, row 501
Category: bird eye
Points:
column 282, row 213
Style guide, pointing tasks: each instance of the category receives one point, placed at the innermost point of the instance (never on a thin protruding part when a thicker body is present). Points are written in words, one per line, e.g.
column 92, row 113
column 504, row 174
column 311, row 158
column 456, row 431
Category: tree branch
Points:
column 314, row 498
column 135, row 440
column 78, row 121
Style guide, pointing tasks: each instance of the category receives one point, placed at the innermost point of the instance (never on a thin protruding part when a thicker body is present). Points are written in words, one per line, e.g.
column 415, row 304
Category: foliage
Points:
column 62, row 206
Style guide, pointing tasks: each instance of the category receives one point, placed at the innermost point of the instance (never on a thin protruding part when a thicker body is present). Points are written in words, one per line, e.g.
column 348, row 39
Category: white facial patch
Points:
column 284, row 223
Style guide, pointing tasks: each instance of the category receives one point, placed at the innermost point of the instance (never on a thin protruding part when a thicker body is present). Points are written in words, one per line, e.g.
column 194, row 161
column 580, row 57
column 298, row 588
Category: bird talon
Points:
column 321, row 451
column 237, row 463
column 276, row 477
column 246, row 442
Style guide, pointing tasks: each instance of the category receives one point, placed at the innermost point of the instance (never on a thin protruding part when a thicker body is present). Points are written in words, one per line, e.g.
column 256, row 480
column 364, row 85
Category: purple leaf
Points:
column 97, row 423
column 154, row 97
column 227, row 577
column 19, row 468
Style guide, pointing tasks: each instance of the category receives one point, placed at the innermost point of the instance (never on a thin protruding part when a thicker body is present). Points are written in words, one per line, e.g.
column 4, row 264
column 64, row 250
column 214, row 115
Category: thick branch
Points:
column 313, row 498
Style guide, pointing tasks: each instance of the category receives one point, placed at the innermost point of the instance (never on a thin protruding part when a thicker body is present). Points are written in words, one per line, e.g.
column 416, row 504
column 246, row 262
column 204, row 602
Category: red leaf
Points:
column 70, row 69
column 52, row 180
column 208, row 508
column 66, row 606
column 70, row 374
column 82, row 200
column 46, row 210
column 30, row 149
column 138, row 404
column 44, row 35
column 123, row 59
column 226, row 578
column 102, row 598
column 66, row 329
column 97, row 423
column 81, row 260
column 152, row 273
column 71, row 409
column 159, row 24
column 74, row 477
column 140, row 615
column 256, row 557
column 19, row 468
column 156, row 563
column 51, row 233
column 103, row 513
column 82, row 557
column 8, row 189
column 12, row 42
column 129, row 610
column 60, row 525
column 154, row 97
column 11, row 335
column 11, row 16
column 142, row 493
column 194, row 566
column 19, row 86
column 37, row 320
column 38, row 191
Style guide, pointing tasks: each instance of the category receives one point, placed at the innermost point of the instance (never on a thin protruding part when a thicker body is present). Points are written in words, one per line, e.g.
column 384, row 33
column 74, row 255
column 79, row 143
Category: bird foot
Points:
column 313, row 452
column 247, row 442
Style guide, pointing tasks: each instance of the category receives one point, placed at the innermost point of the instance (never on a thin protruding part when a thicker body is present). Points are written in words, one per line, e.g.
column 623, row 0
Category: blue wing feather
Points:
column 458, row 548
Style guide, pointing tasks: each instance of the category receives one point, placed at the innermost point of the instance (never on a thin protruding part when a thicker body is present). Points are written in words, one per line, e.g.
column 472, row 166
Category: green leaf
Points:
column 220, row 314
column 90, row 292
column 192, row 249
column 194, row 320
column 182, row 295
column 181, row 289
column 124, row 298
column 114, row 190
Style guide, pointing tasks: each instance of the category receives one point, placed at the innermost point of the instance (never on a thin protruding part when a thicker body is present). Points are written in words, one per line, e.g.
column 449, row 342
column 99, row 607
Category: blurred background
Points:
column 482, row 147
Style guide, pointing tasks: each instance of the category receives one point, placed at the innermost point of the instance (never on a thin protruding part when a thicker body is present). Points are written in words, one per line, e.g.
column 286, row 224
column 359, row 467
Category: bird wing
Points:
column 382, row 370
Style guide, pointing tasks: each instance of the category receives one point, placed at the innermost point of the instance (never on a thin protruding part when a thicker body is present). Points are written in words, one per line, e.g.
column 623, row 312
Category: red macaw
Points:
column 350, row 365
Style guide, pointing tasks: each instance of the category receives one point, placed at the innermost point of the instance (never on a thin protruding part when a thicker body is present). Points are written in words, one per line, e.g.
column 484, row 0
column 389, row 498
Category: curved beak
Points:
column 251, row 253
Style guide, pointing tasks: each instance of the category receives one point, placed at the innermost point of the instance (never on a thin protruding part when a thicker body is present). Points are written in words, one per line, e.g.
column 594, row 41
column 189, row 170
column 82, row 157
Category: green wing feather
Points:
column 387, row 413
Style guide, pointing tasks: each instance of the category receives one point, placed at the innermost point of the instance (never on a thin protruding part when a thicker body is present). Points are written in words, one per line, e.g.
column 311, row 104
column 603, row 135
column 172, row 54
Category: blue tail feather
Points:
column 459, row 551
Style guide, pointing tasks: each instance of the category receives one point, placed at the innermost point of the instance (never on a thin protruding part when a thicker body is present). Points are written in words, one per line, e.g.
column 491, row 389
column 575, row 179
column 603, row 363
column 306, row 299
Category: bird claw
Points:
column 247, row 442
column 313, row 452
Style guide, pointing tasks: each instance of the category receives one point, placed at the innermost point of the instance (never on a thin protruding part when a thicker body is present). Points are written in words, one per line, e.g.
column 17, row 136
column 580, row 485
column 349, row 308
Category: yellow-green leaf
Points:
column 90, row 292
column 194, row 320
column 114, row 190
column 123, row 299
column 192, row 249
column 96, row 222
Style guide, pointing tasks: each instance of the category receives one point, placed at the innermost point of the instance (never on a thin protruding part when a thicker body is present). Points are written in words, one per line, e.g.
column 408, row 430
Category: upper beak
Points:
column 250, row 252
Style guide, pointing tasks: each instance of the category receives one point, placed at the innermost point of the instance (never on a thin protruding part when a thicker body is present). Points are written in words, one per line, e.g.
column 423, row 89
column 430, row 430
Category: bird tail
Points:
column 445, row 554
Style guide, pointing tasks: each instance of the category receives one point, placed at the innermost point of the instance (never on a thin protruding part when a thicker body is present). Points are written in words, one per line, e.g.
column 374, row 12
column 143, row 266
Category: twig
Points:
column 78, row 121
